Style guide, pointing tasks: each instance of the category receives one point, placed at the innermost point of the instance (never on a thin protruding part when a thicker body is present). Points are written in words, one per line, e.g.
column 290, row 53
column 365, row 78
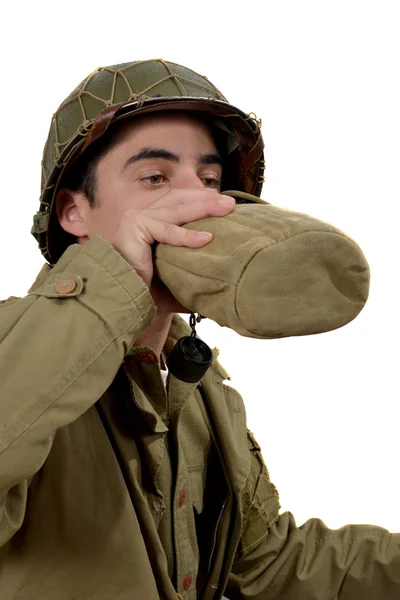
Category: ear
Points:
column 72, row 212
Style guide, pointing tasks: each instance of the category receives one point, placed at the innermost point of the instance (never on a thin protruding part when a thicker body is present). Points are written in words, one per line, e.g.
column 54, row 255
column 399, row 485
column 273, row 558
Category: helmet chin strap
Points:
column 190, row 358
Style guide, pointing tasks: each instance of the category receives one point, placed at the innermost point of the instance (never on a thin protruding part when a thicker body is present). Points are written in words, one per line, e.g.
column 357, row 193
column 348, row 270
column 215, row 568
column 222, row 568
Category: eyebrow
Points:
column 148, row 153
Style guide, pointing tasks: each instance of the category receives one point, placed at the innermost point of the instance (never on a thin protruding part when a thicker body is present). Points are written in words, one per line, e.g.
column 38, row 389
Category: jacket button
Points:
column 182, row 497
column 66, row 287
column 146, row 357
column 187, row 582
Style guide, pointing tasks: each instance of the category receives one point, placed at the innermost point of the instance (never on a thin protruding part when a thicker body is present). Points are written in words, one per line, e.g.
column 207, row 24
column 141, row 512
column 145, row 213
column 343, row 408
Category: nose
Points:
column 188, row 179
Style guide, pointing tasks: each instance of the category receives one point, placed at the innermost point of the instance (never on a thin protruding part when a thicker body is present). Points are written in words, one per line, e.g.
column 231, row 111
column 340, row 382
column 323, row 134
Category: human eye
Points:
column 154, row 180
column 211, row 182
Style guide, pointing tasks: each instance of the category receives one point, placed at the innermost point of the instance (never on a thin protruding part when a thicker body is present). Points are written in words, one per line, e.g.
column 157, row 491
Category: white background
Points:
column 324, row 78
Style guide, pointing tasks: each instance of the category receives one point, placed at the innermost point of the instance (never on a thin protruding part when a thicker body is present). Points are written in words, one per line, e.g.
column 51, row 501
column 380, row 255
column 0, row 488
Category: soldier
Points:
column 120, row 480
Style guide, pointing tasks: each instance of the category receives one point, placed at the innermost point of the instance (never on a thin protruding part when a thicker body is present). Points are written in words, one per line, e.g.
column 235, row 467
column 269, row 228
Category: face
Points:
column 153, row 155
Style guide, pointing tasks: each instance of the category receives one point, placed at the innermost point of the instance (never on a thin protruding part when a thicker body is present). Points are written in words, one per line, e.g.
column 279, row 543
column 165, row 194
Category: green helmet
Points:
column 110, row 94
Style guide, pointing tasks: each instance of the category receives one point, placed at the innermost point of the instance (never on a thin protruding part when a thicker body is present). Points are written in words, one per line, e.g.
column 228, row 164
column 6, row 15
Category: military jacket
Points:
column 115, row 487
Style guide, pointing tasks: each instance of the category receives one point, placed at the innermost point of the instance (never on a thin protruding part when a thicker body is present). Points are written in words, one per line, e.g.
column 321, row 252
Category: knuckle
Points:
column 168, row 228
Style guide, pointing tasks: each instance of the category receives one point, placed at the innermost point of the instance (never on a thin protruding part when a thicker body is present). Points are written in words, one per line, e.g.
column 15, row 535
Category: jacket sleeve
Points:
column 60, row 348
column 277, row 560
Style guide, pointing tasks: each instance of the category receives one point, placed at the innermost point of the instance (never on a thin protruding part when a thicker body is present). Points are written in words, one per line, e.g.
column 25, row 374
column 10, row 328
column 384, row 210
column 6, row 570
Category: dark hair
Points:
column 82, row 174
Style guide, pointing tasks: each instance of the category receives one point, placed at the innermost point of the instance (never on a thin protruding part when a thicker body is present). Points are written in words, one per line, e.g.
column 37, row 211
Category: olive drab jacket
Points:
column 115, row 487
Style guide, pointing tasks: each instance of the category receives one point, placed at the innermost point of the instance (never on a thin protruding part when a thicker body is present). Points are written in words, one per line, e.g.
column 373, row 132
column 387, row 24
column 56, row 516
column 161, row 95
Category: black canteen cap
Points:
column 189, row 359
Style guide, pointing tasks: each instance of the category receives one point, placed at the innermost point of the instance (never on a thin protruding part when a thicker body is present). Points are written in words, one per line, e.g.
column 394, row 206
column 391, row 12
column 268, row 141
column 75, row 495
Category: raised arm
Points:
column 60, row 348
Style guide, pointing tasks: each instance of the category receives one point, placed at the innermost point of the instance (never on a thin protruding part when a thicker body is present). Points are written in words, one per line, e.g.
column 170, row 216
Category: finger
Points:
column 169, row 233
column 179, row 214
column 183, row 196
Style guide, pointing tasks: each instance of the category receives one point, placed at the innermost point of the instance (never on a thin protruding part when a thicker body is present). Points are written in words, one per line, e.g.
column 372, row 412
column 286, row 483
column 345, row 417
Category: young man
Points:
column 116, row 483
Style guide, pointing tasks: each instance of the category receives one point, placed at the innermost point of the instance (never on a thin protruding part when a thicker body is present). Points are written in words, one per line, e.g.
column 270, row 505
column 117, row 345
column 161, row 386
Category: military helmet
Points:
column 111, row 94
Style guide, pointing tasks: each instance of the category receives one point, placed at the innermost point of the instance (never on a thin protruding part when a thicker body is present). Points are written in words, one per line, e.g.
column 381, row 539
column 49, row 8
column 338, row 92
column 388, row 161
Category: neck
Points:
column 156, row 334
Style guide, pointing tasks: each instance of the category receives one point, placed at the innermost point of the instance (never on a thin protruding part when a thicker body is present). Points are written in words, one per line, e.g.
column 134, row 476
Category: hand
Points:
column 161, row 220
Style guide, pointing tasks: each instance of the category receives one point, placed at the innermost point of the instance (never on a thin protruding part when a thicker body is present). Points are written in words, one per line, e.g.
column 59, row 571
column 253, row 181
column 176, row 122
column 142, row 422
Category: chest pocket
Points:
column 198, row 451
column 208, row 484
